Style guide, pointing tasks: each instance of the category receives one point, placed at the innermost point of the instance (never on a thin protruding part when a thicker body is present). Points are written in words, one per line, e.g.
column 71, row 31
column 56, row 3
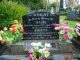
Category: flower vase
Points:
column 3, row 47
column 65, row 47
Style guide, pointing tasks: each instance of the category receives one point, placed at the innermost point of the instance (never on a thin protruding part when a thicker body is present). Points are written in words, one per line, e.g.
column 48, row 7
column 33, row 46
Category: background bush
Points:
column 10, row 11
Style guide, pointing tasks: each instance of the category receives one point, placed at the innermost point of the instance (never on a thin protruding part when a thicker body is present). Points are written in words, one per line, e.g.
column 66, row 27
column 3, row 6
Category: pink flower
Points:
column 56, row 25
column 70, row 36
column 42, row 58
column 66, row 29
column 57, row 28
column 66, row 23
column 31, row 57
column 66, row 36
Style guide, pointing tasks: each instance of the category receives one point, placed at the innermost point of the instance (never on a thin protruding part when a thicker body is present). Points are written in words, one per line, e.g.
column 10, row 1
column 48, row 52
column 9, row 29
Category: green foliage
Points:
column 9, row 11
column 33, row 4
column 53, row 5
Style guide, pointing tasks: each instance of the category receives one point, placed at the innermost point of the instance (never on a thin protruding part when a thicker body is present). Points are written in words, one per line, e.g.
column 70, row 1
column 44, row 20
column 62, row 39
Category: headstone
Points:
column 52, row 10
column 39, row 26
column 61, row 4
column 72, row 15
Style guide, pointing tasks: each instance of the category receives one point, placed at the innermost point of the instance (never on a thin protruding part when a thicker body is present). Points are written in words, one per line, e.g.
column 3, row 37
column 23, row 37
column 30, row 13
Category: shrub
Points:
column 10, row 11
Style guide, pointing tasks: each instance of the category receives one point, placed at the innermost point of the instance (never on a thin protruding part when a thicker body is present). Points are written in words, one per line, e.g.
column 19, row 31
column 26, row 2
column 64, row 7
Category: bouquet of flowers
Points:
column 77, row 31
column 16, row 30
column 7, row 36
column 39, row 50
column 64, row 31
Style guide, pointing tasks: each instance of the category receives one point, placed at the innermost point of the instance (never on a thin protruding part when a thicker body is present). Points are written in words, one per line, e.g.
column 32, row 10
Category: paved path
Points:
column 13, row 57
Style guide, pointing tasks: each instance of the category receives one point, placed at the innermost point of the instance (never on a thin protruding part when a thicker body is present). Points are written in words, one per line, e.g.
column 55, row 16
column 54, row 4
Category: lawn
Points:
column 72, row 23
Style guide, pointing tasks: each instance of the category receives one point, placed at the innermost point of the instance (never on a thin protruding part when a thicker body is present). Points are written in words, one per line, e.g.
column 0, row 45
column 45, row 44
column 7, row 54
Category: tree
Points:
column 71, row 3
column 53, row 4
column 34, row 4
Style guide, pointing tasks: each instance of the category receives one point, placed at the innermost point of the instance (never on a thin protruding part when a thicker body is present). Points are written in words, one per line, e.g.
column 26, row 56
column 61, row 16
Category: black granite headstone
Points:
column 39, row 26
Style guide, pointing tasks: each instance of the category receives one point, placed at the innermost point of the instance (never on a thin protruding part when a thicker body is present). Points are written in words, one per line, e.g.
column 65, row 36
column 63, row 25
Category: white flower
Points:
column 38, row 44
column 46, row 54
column 5, row 29
column 47, row 45
column 62, row 32
column 33, row 44
column 40, row 50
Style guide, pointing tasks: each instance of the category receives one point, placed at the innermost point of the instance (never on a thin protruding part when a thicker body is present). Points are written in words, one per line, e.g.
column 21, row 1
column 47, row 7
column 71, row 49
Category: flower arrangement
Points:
column 16, row 30
column 77, row 31
column 64, row 31
column 9, row 35
column 39, row 51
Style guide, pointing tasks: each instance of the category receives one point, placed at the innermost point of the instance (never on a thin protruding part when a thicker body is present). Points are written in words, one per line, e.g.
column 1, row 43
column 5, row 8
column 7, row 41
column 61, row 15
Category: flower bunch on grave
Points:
column 4, row 40
column 39, row 50
column 14, row 33
column 64, row 32
column 17, row 30
column 77, row 31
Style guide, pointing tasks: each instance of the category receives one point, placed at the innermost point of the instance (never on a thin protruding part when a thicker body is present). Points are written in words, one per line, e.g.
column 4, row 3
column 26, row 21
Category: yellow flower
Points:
column 1, row 32
column 5, row 40
column 15, row 21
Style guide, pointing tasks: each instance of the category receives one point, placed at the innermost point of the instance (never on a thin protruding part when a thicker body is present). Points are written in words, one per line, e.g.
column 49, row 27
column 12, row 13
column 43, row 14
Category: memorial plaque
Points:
column 39, row 26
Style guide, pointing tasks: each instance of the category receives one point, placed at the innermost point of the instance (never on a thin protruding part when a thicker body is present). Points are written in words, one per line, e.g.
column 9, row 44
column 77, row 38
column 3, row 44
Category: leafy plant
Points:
column 10, row 11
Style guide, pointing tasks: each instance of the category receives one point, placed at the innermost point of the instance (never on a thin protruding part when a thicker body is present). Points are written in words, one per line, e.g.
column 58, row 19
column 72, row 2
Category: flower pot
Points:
column 65, row 47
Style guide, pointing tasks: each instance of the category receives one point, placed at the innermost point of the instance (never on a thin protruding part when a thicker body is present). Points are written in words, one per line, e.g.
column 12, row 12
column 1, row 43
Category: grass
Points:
column 72, row 23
